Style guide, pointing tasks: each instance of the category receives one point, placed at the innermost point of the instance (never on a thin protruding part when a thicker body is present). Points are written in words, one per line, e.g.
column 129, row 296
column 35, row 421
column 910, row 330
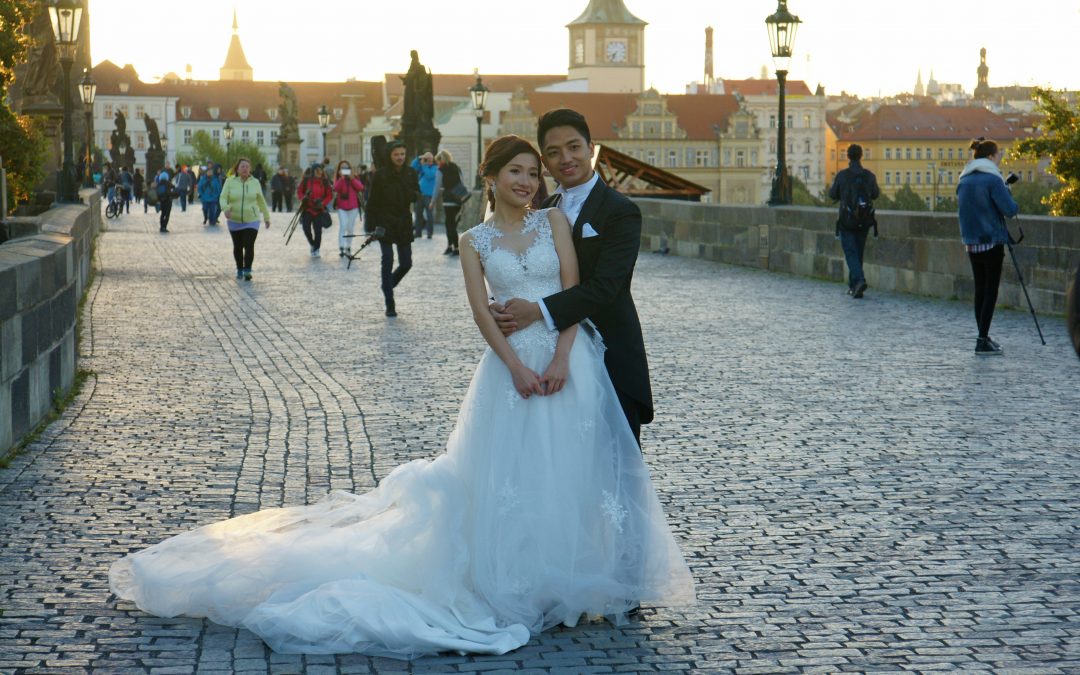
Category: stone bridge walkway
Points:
column 853, row 489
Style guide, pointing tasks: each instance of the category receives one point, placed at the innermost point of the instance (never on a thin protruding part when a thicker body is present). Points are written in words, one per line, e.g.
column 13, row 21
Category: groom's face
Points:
column 567, row 156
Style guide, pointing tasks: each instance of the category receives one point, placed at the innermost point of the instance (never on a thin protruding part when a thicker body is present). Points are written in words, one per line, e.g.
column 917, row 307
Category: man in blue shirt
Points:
column 423, row 218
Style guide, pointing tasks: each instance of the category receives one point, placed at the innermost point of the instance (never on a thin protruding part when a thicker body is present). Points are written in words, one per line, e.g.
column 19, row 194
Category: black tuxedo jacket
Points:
column 607, row 264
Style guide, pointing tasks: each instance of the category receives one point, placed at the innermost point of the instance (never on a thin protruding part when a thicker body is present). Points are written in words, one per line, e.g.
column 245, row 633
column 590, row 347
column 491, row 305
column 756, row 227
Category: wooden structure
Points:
column 636, row 178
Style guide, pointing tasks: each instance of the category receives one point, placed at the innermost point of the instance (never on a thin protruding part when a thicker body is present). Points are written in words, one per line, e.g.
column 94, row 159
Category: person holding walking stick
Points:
column 984, row 204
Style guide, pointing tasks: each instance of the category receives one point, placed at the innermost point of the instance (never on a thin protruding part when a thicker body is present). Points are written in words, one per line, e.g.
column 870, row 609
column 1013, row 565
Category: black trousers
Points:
column 166, row 211
column 452, row 213
column 986, row 268
column 275, row 200
column 312, row 230
column 390, row 279
column 243, row 247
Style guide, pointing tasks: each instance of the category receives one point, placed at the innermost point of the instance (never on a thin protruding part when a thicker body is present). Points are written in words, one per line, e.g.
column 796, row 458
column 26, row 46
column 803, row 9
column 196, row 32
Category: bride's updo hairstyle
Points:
column 499, row 154
column 982, row 147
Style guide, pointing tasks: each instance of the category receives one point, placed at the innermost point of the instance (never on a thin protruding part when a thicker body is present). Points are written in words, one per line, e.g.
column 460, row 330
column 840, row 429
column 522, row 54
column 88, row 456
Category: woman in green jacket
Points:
column 242, row 200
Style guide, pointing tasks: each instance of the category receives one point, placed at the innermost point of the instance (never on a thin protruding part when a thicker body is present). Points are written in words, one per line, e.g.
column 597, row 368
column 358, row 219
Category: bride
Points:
column 540, row 511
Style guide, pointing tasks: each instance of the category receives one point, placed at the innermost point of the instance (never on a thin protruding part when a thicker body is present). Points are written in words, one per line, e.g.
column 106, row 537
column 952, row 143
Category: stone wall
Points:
column 42, row 278
column 917, row 253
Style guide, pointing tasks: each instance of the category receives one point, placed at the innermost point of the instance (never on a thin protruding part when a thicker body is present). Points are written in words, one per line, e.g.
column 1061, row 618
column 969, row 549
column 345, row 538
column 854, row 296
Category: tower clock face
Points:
column 616, row 51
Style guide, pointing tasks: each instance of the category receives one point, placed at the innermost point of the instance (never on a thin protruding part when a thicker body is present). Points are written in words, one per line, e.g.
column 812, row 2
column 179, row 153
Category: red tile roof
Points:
column 604, row 112
column 896, row 122
column 697, row 113
column 766, row 88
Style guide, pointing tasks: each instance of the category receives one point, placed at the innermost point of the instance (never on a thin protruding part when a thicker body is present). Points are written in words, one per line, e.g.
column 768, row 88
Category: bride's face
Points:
column 518, row 181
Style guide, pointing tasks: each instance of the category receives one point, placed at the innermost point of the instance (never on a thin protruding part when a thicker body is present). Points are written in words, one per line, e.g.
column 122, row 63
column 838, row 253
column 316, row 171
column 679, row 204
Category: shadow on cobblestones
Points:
column 853, row 489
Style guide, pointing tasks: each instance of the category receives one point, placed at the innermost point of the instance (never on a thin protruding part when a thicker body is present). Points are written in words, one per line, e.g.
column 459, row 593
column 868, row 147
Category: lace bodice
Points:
column 531, row 271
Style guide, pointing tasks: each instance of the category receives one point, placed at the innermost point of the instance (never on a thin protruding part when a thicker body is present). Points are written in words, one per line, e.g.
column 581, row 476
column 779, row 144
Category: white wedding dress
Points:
column 541, row 510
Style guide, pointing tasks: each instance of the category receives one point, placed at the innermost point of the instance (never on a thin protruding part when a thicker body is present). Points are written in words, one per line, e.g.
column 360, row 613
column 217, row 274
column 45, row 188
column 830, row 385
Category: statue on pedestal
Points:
column 120, row 150
column 155, row 154
column 289, row 132
column 418, row 117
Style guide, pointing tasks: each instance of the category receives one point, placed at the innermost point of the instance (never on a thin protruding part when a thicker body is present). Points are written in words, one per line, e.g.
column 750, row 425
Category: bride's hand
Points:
column 526, row 381
column 554, row 378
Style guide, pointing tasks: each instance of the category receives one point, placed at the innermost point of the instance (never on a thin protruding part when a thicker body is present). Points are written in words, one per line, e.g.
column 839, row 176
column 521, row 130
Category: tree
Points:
column 204, row 148
column 1033, row 198
column 801, row 196
column 905, row 199
column 22, row 142
column 1058, row 138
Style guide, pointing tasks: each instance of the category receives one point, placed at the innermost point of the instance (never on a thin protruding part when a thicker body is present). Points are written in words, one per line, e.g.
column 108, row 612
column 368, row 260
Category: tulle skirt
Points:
column 541, row 510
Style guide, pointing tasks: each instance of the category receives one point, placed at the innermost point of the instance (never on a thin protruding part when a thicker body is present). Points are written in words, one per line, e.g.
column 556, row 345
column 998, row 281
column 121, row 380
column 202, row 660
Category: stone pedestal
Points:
column 289, row 155
column 155, row 160
column 420, row 140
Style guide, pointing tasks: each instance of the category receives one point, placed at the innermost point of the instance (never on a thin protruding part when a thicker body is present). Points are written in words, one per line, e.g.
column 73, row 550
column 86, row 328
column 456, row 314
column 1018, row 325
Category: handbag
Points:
column 459, row 193
column 324, row 220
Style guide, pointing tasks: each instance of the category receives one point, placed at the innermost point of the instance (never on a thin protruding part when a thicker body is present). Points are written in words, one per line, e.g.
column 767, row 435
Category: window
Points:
column 950, row 153
column 740, row 158
column 1031, row 176
column 753, row 158
column 806, row 146
column 927, row 200
column 107, row 110
column 888, row 177
column 790, row 121
column 242, row 113
column 651, row 158
column 772, row 121
column 907, row 178
column 245, row 135
column 907, row 153
column 806, row 120
column 941, row 153
column 869, row 153
column 185, row 111
column 667, row 129
column 187, row 136
column 929, row 178
column 273, row 137
column 216, row 135
column 918, row 153
column 888, row 153
column 918, row 178
column 140, row 110
column 214, row 112
column 898, row 153
column 701, row 158
column 772, row 147
column 727, row 158
column 805, row 171
column 929, row 154
column 260, row 138
column 948, row 177
column 140, row 141
column 271, row 114
column 791, row 147
column 672, row 158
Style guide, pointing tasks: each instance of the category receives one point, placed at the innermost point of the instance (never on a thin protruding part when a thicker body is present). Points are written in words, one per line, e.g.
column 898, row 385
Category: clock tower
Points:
column 607, row 48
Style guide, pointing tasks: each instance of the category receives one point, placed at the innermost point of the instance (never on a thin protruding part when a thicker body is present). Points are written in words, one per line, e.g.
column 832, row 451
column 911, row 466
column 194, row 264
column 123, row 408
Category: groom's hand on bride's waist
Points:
column 505, row 321
column 522, row 313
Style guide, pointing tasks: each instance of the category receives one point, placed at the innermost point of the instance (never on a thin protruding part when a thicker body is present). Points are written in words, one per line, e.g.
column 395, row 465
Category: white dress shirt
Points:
column 570, row 204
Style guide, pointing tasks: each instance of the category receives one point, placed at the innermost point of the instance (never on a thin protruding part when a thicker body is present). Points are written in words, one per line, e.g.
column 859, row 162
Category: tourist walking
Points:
column 164, row 190
column 127, row 187
column 138, row 185
column 450, row 184
column 424, row 218
column 210, row 194
column 183, row 186
column 856, row 188
column 984, row 202
column 392, row 192
column 242, row 201
column 315, row 193
column 347, row 197
column 277, row 189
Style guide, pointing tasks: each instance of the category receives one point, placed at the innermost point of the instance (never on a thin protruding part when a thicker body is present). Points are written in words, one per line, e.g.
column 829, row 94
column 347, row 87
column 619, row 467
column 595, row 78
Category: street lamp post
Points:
column 782, row 26
column 65, row 16
column 479, row 100
column 87, row 92
column 228, row 131
column 324, row 124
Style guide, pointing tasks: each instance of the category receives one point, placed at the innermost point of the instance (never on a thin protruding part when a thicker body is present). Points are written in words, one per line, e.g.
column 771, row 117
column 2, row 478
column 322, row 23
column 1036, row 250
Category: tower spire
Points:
column 235, row 27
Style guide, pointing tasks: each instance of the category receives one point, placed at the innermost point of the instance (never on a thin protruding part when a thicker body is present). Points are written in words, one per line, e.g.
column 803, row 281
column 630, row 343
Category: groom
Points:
column 607, row 236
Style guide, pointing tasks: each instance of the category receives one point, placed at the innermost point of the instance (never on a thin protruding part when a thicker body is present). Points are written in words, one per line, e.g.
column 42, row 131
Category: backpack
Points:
column 163, row 189
column 857, row 210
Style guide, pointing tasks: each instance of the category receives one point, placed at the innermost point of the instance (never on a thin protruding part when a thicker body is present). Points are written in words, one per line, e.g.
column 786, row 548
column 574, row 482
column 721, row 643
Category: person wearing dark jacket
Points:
column 984, row 202
column 393, row 190
column 852, row 234
column 448, row 177
column 277, row 190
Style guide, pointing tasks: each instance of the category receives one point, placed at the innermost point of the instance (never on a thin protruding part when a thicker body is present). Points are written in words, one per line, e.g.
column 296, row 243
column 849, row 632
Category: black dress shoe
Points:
column 859, row 290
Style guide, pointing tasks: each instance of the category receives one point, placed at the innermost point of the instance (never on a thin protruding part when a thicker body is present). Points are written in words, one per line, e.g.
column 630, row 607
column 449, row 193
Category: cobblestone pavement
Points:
column 853, row 489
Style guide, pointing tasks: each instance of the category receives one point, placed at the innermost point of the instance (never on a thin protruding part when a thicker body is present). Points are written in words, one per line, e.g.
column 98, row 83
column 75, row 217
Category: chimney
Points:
column 708, row 60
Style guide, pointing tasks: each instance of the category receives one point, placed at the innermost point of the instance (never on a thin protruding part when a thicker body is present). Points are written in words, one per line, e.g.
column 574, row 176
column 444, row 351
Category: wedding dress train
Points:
column 540, row 510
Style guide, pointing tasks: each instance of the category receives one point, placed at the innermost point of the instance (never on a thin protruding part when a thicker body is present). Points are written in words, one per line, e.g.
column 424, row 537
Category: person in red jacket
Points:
column 315, row 193
column 348, row 191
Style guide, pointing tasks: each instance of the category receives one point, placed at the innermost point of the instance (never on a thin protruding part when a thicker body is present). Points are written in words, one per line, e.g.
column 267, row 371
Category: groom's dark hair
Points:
column 561, row 117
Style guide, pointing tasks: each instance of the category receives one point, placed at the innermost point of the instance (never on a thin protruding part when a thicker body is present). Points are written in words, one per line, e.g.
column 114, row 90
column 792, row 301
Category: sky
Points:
column 865, row 47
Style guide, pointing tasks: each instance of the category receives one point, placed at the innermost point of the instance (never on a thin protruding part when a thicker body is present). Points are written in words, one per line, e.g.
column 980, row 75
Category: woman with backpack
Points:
column 347, row 191
column 315, row 193
column 984, row 202
column 242, row 201
column 449, row 182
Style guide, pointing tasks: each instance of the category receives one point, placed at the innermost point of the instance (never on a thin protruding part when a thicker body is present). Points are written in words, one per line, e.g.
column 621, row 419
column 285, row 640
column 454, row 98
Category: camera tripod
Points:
column 371, row 236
